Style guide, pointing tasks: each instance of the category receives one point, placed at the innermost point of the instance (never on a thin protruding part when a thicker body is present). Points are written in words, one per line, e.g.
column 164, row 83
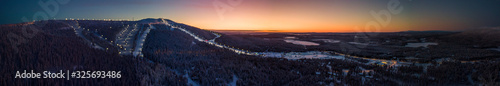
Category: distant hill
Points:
column 430, row 31
column 481, row 37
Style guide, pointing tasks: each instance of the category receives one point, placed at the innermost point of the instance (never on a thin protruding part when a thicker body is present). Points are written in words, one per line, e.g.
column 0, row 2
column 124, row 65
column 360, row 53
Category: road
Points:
column 300, row 55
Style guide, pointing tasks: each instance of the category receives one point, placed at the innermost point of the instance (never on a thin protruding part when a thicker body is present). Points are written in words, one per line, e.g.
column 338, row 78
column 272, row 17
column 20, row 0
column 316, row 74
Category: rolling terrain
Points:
column 164, row 52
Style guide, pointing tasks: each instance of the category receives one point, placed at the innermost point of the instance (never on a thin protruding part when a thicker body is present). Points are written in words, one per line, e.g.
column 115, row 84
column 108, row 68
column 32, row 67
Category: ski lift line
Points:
column 212, row 42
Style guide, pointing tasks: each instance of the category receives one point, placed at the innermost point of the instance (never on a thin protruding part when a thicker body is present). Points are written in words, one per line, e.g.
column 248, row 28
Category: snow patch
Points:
column 424, row 44
column 305, row 43
column 327, row 40
column 190, row 81
column 233, row 83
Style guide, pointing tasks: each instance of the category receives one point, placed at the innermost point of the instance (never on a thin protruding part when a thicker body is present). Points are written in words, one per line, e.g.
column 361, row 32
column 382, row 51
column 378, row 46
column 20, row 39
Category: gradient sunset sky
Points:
column 281, row 15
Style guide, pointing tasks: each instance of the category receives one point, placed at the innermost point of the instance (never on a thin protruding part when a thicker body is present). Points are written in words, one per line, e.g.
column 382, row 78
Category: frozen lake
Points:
column 327, row 40
column 297, row 42
column 327, row 55
column 424, row 44
column 301, row 55
column 496, row 49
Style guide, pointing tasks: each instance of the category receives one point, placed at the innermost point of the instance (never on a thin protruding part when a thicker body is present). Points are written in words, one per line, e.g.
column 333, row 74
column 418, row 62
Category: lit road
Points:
column 299, row 55
column 291, row 55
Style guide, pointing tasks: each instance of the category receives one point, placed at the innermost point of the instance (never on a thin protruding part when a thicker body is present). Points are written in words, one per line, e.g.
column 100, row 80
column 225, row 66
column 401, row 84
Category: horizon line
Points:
column 291, row 31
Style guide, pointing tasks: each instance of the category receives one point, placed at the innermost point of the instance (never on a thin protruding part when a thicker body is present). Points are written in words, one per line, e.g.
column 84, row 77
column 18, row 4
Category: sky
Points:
column 276, row 15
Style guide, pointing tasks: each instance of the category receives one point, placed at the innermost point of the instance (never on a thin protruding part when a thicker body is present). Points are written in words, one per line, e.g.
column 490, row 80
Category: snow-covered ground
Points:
column 233, row 83
column 424, row 44
column 301, row 55
column 357, row 43
column 79, row 32
column 305, row 43
column 293, row 55
column 125, row 39
column 212, row 41
column 327, row 40
column 190, row 81
column 140, row 42
column 496, row 49
column 327, row 55
column 290, row 37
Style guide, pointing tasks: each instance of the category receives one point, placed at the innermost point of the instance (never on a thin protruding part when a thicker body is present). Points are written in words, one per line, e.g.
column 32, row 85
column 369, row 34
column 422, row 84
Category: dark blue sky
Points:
column 326, row 15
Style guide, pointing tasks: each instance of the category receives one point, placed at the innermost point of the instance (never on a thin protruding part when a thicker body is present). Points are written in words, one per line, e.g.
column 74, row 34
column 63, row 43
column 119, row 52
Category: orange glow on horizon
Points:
column 306, row 16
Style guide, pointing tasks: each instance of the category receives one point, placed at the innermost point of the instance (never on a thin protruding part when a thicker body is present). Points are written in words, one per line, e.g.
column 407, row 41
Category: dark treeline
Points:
column 172, row 57
column 49, row 51
column 204, row 34
column 172, row 53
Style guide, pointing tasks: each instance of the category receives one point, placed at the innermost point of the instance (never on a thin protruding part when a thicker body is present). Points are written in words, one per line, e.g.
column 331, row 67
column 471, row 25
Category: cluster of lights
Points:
column 126, row 39
column 90, row 19
column 80, row 29
column 212, row 42
column 95, row 19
